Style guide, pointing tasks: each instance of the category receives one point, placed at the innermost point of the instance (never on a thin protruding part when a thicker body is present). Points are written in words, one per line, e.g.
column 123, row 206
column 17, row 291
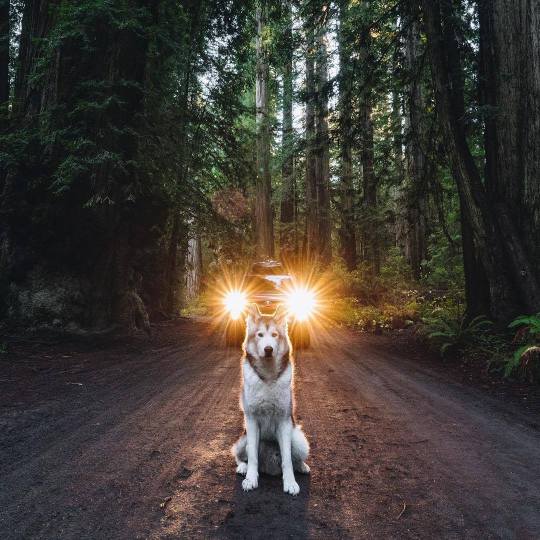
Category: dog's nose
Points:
column 268, row 350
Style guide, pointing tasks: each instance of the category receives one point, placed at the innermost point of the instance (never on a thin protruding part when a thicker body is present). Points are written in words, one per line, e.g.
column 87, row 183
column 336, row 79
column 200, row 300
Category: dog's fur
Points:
column 272, row 442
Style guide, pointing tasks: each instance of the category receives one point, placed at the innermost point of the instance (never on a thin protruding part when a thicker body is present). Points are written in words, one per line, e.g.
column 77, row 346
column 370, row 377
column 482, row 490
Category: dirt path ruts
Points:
column 133, row 442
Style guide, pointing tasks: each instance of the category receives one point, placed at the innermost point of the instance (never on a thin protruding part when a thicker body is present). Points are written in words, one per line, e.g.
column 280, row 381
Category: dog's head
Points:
column 266, row 335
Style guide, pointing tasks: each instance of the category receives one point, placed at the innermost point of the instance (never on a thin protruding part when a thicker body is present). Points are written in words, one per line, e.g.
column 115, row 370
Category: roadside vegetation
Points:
column 148, row 150
column 437, row 317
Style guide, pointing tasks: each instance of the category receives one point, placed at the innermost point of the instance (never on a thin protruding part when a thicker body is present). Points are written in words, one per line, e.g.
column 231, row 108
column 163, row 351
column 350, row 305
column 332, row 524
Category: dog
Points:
column 272, row 443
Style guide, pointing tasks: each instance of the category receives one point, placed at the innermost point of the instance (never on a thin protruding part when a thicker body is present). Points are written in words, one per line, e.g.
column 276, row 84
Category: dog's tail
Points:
column 238, row 449
column 300, row 444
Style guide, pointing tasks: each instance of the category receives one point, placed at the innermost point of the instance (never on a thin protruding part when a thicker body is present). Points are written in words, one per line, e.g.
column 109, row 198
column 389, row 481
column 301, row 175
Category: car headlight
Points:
column 235, row 303
column 301, row 303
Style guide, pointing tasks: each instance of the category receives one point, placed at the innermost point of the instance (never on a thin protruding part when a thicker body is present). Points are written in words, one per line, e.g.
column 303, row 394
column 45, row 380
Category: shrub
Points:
column 369, row 302
column 199, row 306
column 526, row 358
column 457, row 334
column 351, row 312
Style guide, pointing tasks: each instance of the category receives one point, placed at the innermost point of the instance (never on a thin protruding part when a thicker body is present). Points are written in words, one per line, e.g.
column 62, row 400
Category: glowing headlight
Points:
column 301, row 303
column 235, row 303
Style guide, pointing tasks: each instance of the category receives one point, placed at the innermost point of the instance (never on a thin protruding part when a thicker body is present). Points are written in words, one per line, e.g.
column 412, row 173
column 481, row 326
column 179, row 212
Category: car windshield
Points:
column 268, row 269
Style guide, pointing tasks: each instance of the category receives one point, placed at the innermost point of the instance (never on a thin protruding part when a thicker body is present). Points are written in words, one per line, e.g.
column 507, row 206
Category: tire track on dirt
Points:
column 106, row 452
column 483, row 478
column 397, row 451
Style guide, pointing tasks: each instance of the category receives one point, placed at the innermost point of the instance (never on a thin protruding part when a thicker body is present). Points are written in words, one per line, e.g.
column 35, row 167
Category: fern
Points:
column 527, row 329
column 530, row 322
column 456, row 334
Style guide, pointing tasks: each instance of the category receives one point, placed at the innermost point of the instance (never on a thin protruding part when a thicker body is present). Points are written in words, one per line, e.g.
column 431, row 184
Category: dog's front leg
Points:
column 285, row 445
column 251, row 481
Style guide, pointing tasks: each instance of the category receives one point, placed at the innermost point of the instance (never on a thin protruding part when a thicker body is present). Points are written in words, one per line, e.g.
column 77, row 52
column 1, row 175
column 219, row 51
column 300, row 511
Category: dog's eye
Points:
column 260, row 334
column 274, row 334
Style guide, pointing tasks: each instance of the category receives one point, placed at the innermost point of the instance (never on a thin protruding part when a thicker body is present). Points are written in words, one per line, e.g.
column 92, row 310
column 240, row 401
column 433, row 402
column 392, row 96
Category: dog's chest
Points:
column 266, row 400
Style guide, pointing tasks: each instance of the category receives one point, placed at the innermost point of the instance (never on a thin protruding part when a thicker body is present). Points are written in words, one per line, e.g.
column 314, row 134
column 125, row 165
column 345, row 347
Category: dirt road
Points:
column 132, row 441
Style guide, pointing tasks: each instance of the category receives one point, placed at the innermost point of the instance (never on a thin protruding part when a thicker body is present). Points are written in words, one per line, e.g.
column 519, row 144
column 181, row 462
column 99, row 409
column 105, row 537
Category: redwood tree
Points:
column 510, row 44
column 288, row 241
column 264, row 230
column 4, row 53
column 416, row 148
column 347, row 225
column 318, row 219
column 511, row 277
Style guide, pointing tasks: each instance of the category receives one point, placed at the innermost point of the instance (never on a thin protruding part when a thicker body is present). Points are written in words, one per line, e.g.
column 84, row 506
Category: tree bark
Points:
column 512, row 282
column 323, row 150
column 510, row 44
column 288, row 245
column 263, row 187
column 371, row 234
column 416, row 144
column 4, row 55
column 32, row 96
column 347, row 232
column 193, row 266
column 312, row 230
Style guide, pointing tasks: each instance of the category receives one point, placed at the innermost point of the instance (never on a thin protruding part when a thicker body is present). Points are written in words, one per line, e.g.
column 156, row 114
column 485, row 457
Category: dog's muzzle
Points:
column 268, row 352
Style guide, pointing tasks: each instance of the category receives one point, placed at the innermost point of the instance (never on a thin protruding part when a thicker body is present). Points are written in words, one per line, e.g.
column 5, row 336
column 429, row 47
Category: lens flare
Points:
column 235, row 302
column 301, row 303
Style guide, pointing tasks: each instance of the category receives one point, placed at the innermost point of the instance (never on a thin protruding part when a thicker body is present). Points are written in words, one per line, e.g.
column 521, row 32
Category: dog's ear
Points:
column 280, row 315
column 252, row 312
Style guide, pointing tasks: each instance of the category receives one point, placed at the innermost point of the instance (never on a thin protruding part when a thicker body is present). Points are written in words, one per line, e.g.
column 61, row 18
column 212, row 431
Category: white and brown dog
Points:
column 272, row 443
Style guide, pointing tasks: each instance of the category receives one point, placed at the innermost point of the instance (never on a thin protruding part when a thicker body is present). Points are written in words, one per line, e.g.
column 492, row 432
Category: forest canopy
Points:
column 146, row 145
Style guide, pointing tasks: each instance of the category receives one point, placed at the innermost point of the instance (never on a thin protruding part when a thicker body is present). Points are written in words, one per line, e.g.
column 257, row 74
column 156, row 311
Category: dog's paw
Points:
column 250, row 482
column 242, row 468
column 291, row 486
column 304, row 468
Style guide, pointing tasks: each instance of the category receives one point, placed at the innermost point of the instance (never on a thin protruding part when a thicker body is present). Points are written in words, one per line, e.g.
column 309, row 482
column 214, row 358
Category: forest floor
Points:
column 130, row 439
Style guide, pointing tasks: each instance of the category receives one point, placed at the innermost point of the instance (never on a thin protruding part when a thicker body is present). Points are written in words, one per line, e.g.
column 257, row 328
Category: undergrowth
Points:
column 200, row 306
column 433, row 308
column 389, row 301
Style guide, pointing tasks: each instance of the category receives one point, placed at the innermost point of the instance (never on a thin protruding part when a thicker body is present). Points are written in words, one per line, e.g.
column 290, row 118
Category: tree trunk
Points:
column 347, row 232
column 193, row 266
column 263, row 187
column 288, row 247
column 416, row 144
column 172, row 265
column 323, row 150
column 510, row 44
column 4, row 56
column 32, row 95
column 370, row 230
column 371, row 233
column 512, row 282
column 312, row 232
column 399, row 195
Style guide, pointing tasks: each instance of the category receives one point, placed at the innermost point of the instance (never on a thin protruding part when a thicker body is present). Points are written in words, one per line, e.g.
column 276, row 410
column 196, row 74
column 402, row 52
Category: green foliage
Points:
column 200, row 306
column 525, row 361
column 370, row 302
column 443, row 268
column 528, row 324
column 350, row 312
column 138, row 116
column 456, row 335
column 3, row 347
